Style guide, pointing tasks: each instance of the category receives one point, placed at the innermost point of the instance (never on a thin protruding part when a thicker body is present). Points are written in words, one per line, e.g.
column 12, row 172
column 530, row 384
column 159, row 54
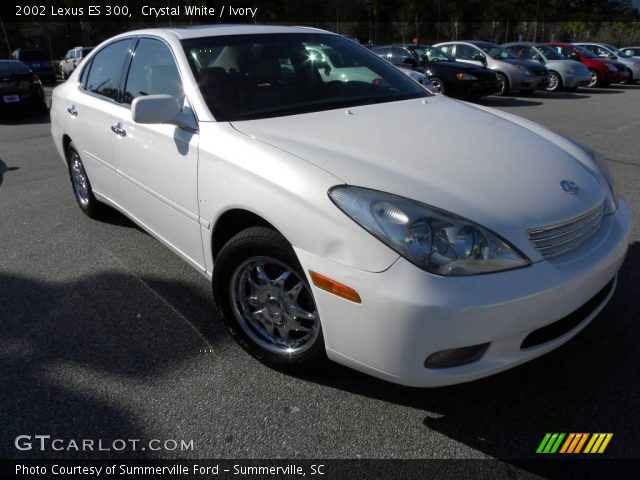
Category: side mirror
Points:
column 538, row 58
column 611, row 56
column 155, row 109
column 478, row 57
column 409, row 61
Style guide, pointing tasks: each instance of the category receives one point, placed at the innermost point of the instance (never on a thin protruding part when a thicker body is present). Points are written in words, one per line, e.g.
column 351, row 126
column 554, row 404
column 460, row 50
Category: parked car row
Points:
column 523, row 66
column 21, row 77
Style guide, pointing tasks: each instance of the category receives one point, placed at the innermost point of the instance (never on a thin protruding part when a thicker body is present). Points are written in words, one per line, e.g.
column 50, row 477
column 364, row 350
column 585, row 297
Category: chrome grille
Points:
column 563, row 237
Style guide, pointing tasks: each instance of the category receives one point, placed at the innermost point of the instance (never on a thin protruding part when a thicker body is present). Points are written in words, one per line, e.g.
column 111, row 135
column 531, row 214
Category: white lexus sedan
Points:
column 327, row 227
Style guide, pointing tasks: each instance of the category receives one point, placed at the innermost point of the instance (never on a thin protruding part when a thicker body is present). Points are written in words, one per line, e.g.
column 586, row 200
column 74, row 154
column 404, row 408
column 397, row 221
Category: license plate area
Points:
column 11, row 98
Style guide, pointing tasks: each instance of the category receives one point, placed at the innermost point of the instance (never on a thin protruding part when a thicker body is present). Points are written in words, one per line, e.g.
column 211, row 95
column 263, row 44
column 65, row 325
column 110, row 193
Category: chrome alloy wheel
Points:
column 79, row 180
column 274, row 306
column 553, row 82
column 594, row 78
column 436, row 85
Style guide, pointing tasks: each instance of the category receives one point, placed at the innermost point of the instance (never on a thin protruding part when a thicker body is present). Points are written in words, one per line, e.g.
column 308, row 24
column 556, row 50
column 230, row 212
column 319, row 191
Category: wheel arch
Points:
column 232, row 222
column 66, row 141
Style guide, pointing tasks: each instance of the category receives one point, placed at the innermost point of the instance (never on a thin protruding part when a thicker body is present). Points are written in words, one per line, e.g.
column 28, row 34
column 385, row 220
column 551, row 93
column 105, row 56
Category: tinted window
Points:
column 549, row 52
column 398, row 55
column 448, row 49
column 105, row 73
column 465, row 52
column 522, row 52
column 31, row 55
column 243, row 77
column 10, row 68
column 153, row 71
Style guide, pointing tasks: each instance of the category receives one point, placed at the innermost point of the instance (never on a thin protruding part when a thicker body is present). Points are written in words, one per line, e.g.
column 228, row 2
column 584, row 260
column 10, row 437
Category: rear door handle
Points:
column 118, row 130
column 72, row 111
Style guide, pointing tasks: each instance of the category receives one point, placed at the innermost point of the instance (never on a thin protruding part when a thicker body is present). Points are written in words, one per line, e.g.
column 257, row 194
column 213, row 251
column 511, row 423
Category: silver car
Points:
column 631, row 51
column 563, row 72
column 605, row 50
column 515, row 74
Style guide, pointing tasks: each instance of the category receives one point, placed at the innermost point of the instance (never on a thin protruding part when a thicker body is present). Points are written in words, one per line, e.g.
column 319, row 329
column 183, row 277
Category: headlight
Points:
column 465, row 76
column 435, row 240
column 611, row 67
column 524, row 70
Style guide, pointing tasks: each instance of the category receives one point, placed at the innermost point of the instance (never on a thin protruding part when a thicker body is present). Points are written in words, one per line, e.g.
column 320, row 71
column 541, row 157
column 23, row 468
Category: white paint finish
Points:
column 447, row 154
column 491, row 167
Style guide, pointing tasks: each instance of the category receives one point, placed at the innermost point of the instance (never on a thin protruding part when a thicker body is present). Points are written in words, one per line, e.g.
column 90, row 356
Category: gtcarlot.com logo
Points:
column 44, row 443
column 573, row 443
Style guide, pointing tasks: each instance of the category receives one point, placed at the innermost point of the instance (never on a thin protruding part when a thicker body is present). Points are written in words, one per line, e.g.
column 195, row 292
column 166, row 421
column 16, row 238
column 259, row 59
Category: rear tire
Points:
column 81, row 185
column 265, row 301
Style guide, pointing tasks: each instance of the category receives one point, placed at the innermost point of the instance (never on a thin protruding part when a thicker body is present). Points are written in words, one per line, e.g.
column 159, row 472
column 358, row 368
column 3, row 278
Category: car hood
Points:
column 491, row 167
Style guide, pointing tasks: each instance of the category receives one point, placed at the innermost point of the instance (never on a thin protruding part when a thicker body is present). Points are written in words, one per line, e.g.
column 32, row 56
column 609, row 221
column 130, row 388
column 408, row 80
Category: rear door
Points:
column 158, row 164
column 90, row 112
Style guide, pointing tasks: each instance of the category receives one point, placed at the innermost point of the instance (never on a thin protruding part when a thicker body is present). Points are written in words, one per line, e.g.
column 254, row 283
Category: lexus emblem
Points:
column 569, row 186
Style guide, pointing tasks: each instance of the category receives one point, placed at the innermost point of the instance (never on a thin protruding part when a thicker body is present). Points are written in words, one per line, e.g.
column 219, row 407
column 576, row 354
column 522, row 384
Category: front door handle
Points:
column 72, row 111
column 118, row 130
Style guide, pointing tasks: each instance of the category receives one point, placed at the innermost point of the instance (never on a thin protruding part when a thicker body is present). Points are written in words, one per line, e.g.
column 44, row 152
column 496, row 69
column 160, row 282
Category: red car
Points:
column 603, row 71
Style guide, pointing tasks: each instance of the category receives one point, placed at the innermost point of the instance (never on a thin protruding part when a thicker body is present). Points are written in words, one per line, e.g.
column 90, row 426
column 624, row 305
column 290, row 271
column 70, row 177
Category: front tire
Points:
column 265, row 301
column 80, row 182
column 595, row 79
column 504, row 88
column 437, row 85
column 555, row 81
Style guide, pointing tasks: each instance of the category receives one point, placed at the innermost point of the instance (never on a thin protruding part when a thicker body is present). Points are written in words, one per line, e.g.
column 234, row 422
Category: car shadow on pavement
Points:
column 4, row 168
column 609, row 90
column 590, row 384
column 506, row 101
column 75, row 367
column 23, row 118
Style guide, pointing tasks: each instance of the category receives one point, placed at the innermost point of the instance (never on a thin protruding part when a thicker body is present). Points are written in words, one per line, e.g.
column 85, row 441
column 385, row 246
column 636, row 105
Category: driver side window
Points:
column 153, row 71
column 465, row 52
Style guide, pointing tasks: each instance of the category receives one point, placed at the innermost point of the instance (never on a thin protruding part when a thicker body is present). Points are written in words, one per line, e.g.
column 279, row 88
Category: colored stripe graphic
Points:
column 551, row 443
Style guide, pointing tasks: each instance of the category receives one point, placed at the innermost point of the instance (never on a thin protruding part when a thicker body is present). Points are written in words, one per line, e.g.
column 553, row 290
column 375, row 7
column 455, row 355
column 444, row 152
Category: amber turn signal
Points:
column 337, row 288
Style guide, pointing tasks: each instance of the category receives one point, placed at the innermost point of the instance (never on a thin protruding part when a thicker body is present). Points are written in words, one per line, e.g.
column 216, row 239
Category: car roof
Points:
column 523, row 44
column 222, row 29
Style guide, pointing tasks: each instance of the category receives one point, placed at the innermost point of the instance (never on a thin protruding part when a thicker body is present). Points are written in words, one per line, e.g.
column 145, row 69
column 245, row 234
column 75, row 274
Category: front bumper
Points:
column 621, row 76
column 474, row 88
column 407, row 314
column 539, row 82
column 572, row 80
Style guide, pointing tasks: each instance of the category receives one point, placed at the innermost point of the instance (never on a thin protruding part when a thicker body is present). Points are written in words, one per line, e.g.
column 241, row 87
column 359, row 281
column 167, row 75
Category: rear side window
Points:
column 153, row 71
column 105, row 73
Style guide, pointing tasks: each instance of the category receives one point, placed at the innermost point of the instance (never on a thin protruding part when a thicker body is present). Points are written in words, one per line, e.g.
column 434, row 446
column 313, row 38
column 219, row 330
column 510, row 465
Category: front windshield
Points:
column 432, row 54
column 246, row 77
column 549, row 53
column 615, row 50
column 495, row 51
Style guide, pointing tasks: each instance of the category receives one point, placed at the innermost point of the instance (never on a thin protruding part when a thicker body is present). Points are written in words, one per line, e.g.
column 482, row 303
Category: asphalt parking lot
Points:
column 107, row 334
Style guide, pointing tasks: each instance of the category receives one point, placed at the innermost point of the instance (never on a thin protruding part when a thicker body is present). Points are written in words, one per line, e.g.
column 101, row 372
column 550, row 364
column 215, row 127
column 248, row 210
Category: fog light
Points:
column 456, row 356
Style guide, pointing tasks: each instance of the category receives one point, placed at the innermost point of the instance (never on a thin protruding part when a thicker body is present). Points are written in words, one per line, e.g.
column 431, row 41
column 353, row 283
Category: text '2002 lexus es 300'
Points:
column 327, row 228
